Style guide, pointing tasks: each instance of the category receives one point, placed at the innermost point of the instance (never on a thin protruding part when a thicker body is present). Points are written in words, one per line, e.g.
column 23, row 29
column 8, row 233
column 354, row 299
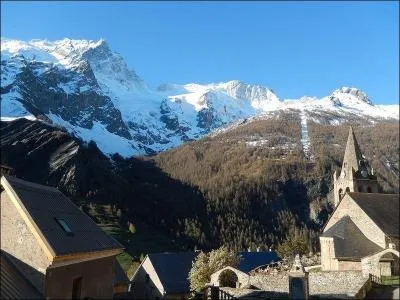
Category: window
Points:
column 147, row 278
column 77, row 288
column 64, row 225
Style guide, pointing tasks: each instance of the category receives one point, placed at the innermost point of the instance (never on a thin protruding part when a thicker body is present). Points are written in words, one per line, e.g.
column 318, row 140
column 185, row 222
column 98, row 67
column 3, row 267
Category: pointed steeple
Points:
column 352, row 155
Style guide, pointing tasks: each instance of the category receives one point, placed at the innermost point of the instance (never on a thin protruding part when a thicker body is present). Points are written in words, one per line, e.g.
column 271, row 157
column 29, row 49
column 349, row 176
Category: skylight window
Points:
column 64, row 225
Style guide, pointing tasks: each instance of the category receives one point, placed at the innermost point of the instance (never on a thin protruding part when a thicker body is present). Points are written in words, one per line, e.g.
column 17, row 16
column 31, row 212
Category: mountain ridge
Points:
column 89, row 89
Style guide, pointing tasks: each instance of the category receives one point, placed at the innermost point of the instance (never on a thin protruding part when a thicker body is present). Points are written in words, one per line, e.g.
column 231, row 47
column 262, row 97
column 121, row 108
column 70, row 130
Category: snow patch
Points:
column 305, row 140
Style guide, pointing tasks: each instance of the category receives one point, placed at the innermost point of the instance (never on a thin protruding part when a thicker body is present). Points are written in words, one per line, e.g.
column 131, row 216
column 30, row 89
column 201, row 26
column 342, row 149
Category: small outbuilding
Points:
column 163, row 276
column 240, row 277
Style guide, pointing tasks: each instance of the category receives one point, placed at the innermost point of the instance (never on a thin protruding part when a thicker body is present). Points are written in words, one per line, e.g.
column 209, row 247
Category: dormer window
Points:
column 64, row 225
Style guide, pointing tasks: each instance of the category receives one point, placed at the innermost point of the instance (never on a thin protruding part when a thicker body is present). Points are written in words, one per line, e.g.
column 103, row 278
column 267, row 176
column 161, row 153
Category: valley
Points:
column 182, row 166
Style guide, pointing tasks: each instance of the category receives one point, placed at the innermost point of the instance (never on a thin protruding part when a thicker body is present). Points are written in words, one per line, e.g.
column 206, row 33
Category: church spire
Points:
column 352, row 155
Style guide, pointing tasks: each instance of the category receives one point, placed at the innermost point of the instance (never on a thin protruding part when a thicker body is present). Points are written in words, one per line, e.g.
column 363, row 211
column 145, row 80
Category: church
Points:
column 363, row 231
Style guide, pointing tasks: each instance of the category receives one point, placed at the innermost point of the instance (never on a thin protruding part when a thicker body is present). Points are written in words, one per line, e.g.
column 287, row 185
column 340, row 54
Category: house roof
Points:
column 251, row 260
column 13, row 284
column 173, row 270
column 383, row 209
column 349, row 241
column 44, row 204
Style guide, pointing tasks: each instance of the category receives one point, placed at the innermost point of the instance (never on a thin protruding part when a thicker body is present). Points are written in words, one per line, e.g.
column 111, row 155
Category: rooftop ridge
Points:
column 31, row 184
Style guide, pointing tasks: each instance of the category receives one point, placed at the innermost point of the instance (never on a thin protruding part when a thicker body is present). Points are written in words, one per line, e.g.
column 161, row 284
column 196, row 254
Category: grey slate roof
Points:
column 383, row 209
column 173, row 270
column 251, row 260
column 43, row 204
column 349, row 241
column 13, row 284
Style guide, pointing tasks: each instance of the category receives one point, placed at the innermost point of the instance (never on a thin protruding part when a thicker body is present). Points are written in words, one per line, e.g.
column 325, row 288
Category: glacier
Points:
column 88, row 89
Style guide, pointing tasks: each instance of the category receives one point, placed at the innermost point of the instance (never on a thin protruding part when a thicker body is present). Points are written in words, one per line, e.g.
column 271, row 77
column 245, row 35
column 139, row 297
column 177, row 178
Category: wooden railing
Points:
column 215, row 293
column 375, row 279
column 225, row 295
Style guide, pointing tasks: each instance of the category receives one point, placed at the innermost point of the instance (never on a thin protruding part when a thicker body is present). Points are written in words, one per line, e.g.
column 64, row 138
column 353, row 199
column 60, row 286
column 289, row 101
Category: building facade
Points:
column 356, row 174
column 362, row 234
column 53, row 245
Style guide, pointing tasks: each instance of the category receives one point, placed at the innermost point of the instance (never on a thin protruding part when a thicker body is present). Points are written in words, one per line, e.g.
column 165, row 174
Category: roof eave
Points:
column 67, row 259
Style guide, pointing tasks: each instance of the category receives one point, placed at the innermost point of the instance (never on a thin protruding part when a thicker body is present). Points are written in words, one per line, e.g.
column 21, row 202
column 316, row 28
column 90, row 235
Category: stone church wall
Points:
column 349, row 265
column 328, row 262
column 348, row 207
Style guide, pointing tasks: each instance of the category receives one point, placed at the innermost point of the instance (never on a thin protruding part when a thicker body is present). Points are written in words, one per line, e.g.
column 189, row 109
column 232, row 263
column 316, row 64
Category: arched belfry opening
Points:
column 341, row 194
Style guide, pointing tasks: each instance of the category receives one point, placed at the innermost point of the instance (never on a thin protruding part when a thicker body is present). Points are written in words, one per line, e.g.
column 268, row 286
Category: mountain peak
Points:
column 346, row 94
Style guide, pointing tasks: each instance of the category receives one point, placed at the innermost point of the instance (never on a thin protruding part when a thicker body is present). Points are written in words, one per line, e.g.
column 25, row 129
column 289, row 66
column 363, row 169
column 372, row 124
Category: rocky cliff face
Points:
column 89, row 90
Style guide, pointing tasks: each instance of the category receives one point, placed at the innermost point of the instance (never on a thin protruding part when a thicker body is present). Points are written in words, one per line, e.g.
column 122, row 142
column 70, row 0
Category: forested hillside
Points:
column 249, row 186
column 258, row 184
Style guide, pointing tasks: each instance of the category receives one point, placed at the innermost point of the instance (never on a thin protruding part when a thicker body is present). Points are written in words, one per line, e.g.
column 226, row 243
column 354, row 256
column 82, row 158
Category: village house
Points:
column 50, row 248
column 362, row 234
column 163, row 276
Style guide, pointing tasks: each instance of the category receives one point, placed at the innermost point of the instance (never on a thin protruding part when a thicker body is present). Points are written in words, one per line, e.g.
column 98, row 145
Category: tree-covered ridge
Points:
column 226, row 189
column 257, row 194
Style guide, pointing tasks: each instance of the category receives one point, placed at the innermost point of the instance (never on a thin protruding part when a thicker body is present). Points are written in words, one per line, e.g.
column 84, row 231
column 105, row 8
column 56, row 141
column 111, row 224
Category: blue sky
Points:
column 297, row 49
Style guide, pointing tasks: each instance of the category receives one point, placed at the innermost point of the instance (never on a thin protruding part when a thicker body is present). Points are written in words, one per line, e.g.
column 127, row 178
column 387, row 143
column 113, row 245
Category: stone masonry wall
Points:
column 20, row 245
column 328, row 262
column 349, row 266
column 348, row 207
column 243, row 278
column 338, row 284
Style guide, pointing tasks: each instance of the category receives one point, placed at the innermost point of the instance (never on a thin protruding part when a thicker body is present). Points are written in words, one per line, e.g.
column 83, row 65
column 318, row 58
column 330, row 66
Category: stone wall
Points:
column 349, row 265
column 339, row 284
column 328, row 261
column 243, row 278
column 372, row 265
column 20, row 245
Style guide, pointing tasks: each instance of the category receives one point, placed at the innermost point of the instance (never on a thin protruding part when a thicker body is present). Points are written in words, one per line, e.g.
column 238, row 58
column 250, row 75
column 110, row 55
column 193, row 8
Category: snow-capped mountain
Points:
column 88, row 89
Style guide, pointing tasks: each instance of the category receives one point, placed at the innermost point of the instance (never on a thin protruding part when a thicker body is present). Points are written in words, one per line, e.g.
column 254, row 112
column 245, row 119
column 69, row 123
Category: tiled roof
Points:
column 13, row 284
column 349, row 241
column 383, row 209
column 44, row 204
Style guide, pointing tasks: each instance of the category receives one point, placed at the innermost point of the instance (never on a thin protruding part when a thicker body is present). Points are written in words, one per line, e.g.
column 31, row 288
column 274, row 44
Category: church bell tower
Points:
column 356, row 174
